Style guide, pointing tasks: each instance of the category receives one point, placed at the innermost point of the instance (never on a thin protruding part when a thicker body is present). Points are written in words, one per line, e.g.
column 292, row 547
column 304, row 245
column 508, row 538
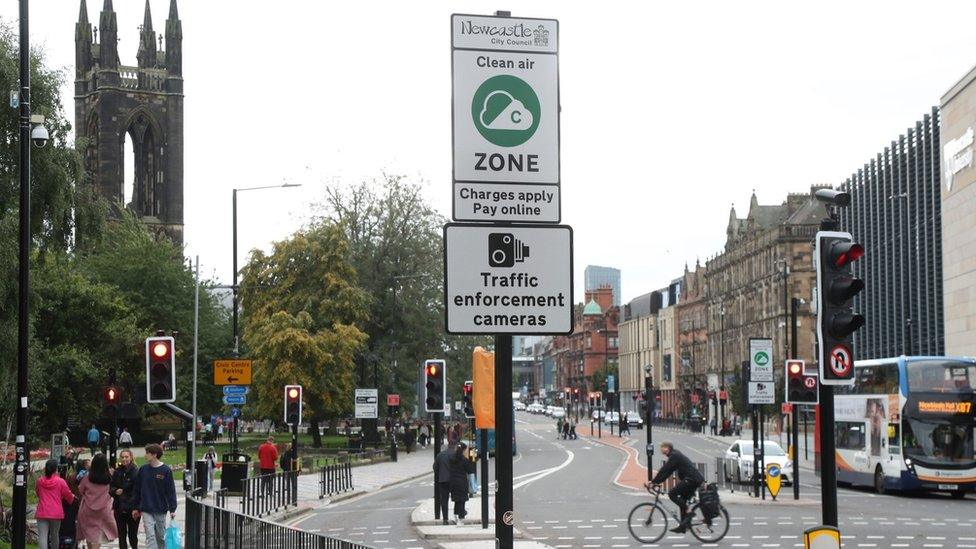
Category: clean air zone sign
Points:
column 506, row 119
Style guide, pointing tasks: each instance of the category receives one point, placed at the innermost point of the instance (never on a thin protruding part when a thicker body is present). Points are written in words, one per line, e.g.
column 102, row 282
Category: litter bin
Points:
column 201, row 476
column 233, row 471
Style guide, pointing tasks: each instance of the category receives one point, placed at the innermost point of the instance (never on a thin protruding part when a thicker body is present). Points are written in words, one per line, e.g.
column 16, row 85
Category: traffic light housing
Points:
column 293, row 404
column 466, row 399
column 835, row 254
column 434, row 388
column 160, row 369
column 801, row 386
column 111, row 402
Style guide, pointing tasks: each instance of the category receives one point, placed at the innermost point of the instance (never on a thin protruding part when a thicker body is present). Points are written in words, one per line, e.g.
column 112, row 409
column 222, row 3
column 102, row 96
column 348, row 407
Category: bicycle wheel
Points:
column 709, row 531
column 647, row 522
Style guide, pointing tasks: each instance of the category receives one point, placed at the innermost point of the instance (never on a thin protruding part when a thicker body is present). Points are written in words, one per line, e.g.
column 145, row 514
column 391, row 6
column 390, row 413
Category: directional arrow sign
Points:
column 234, row 399
column 232, row 372
column 235, row 390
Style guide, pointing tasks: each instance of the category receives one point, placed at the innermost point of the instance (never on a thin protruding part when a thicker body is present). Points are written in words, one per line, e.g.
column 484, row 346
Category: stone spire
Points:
column 147, row 42
column 174, row 42
column 83, row 43
column 109, row 48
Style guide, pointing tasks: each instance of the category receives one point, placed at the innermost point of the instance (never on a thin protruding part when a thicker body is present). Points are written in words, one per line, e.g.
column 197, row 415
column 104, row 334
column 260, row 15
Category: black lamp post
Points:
column 649, row 420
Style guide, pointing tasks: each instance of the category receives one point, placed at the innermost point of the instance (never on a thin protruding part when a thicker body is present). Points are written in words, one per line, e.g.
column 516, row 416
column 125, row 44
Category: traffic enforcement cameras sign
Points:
column 508, row 279
column 506, row 119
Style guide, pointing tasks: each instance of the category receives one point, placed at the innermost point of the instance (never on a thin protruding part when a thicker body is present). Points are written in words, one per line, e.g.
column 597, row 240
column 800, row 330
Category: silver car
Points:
column 739, row 461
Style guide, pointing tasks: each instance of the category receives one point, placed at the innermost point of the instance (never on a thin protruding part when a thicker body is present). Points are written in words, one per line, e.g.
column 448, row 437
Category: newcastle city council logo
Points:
column 505, row 109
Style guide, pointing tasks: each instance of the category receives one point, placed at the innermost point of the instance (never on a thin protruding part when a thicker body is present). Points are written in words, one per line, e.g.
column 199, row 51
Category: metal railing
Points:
column 673, row 480
column 269, row 493
column 212, row 527
column 335, row 478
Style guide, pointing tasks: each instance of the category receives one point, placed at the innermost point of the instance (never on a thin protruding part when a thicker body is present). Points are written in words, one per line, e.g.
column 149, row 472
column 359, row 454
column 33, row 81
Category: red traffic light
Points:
column 795, row 368
column 111, row 395
column 842, row 253
column 432, row 370
column 468, row 387
column 160, row 349
column 293, row 392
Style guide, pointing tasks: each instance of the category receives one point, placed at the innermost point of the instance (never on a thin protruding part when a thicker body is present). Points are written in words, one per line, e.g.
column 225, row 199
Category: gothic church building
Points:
column 142, row 104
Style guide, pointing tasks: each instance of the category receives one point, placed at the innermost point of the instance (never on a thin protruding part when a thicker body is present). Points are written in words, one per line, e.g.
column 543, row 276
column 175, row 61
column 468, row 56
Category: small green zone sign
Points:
column 760, row 359
column 505, row 119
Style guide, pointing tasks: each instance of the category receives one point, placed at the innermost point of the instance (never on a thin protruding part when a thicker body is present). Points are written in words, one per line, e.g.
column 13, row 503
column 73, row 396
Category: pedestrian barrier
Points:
column 269, row 493
column 209, row 527
column 335, row 478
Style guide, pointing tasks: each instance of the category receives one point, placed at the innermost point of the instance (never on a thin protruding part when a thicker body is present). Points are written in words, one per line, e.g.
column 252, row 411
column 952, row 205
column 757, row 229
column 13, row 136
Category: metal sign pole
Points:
column 483, row 435
column 437, row 450
column 504, row 512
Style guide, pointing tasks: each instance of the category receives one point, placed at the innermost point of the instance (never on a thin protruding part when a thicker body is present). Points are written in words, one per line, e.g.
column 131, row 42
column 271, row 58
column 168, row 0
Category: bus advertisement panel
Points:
column 907, row 423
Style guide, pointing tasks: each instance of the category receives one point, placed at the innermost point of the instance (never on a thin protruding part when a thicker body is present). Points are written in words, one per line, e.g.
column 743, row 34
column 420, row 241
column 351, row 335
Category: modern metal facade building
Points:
column 896, row 215
column 595, row 277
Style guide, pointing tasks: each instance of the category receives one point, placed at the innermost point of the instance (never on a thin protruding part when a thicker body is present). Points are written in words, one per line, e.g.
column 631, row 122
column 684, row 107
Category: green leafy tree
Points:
column 302, row 311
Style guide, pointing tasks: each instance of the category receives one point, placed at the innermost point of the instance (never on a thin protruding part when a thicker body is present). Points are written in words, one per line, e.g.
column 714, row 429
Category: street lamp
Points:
column 234, row 206
column 721, row 381
column 649, row 417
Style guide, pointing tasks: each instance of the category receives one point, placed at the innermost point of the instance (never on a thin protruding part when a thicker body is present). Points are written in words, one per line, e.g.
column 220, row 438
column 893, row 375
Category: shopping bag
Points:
column 472, row 484
column 173, row 537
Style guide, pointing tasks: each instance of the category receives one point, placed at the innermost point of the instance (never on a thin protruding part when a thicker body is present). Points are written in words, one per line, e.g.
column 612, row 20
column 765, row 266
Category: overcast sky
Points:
column 671, row 111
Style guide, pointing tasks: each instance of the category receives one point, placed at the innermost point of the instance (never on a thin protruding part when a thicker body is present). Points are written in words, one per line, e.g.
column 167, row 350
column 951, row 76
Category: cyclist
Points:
column 689, row 480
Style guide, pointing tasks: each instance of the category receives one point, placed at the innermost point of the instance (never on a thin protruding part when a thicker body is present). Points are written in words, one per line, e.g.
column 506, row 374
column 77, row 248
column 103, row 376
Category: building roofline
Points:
column 958, row 86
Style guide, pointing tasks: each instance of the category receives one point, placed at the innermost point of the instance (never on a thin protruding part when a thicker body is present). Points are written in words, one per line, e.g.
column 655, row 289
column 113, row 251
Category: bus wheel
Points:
column 958, row 494
column 879, row 480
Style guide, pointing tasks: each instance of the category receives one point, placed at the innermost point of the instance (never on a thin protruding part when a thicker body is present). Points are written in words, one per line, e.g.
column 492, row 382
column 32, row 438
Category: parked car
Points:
column 558, row 413
column 739, row 459
column 634, row 419
column 597, row 415
column 611, row 418
column 519, row 406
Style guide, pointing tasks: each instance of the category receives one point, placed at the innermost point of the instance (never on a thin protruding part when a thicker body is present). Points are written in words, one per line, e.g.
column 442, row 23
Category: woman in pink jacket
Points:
column 96, row 522
column 51, row 489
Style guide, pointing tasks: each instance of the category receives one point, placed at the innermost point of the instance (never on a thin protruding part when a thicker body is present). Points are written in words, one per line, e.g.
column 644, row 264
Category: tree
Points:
column 302, row 311
column 55, row 169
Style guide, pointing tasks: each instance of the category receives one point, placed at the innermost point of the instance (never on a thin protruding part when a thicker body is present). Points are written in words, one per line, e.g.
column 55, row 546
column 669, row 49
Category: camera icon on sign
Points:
column 504, row 250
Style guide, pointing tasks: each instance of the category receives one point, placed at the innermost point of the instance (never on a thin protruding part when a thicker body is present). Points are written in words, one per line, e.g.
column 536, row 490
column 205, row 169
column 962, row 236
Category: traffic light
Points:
column 160, row 369
column 111, row 402
column 836, row 320
column 434, row 388
column 466, row 399
column 801, row 387
column 293, row 404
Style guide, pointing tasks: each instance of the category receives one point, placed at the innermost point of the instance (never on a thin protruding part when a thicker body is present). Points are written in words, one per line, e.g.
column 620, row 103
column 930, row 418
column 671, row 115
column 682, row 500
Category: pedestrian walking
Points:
column 472, row 470
column 442, row 466
column 93, row 439
column 51, row 491
column 123, row 482
column 96, row 522
column 572, row 429
column 424, row 434
column 153, row 495
column 125, row 439
column 211, row 458
column 459, row 466
column 624, row 425
column 713, row 424
column 559, row 427
column 565, row 430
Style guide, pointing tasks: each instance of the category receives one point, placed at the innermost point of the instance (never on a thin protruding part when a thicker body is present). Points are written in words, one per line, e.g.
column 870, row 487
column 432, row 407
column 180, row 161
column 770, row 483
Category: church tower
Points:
column 142, row 105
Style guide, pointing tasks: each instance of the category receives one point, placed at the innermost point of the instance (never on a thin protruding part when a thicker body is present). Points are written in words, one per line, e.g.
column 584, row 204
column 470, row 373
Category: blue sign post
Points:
column 611, row 384
column 235, row 412
column 234, row 399
column 235, row 390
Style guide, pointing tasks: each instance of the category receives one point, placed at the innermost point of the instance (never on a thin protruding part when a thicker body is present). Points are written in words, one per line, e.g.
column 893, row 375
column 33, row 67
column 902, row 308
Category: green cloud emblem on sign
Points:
column 505, row 109
column 762, row 358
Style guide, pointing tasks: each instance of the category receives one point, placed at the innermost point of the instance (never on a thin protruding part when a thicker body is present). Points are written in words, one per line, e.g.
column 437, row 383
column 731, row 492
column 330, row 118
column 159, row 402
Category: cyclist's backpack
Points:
column 709, row 502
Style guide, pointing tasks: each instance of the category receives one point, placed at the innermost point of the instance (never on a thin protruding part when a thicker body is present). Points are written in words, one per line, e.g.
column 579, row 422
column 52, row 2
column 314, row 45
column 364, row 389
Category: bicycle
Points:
column 648, row 521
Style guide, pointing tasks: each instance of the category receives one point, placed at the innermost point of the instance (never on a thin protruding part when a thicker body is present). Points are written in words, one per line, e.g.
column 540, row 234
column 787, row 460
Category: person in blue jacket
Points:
column 153, row 495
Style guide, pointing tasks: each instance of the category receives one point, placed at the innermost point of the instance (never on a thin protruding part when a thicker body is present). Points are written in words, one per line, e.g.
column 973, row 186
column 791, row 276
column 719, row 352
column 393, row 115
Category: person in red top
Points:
column 267, row 460
column 51, row 489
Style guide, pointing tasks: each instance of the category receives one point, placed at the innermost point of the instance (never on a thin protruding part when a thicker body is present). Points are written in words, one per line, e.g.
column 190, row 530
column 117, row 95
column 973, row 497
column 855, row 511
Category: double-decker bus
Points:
column 907, row 424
